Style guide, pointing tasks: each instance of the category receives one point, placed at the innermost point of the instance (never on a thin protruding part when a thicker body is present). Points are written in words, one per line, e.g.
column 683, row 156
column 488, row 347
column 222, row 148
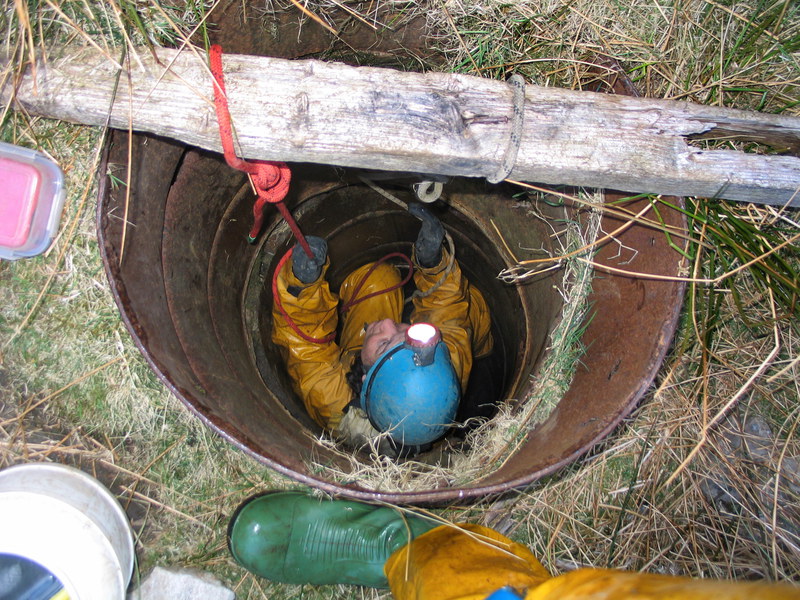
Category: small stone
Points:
column 790, row 470
column 758, row 439
column 719, row 491
column 180, row 584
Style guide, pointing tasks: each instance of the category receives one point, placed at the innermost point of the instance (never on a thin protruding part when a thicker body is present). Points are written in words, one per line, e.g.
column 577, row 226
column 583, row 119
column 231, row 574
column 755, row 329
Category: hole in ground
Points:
column 180, row 281
column 361, row 226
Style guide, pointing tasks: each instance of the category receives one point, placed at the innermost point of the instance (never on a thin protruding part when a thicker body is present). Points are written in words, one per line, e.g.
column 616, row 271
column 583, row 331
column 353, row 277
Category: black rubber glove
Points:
column 307, row 269
column 429, row 241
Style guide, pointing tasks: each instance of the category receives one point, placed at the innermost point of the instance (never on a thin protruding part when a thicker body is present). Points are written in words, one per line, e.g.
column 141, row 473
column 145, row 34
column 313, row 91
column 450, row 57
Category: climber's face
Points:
column 379, row 336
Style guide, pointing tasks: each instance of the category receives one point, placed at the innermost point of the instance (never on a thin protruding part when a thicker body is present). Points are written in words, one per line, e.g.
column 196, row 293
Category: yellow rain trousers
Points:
column 470, row 562
column 318, row 370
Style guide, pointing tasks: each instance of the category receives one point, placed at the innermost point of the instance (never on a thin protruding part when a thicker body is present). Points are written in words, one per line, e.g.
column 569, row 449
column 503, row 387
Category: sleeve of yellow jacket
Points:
column 318, row 376
column 461, row 562
column 447, row 307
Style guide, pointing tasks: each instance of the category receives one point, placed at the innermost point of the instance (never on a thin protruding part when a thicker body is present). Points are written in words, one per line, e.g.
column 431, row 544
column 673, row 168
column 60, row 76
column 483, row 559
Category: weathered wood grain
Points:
column 451, row 124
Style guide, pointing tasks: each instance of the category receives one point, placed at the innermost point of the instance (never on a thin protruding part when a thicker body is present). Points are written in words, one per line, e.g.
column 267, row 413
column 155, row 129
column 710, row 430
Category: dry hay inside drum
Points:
column 489, row 445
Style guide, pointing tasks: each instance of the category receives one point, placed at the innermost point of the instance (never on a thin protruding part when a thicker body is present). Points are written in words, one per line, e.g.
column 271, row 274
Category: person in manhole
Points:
column 296, row 538
column 383, row 385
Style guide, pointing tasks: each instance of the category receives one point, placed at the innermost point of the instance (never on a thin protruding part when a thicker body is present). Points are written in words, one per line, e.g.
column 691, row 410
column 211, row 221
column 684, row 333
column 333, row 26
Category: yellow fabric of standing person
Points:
column 470, row 562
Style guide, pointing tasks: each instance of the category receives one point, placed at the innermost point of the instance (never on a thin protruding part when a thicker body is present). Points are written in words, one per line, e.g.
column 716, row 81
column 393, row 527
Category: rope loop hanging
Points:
column 270, row 179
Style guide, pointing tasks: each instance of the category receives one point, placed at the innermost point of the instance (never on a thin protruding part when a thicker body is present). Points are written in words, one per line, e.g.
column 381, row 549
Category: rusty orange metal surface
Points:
column 195, row 297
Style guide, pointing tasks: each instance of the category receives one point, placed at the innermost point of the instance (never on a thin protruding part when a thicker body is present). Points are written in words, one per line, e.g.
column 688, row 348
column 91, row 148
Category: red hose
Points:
column 277, row 299
column 344, row 308
column 355, row 300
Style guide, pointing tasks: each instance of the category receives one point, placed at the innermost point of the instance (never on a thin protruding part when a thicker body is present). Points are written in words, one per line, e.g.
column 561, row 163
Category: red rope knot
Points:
column 270, row 179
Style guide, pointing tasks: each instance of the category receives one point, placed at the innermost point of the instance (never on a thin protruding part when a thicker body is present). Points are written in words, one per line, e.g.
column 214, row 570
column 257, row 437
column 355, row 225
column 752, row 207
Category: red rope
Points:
column 271, row 179
column 355, row 300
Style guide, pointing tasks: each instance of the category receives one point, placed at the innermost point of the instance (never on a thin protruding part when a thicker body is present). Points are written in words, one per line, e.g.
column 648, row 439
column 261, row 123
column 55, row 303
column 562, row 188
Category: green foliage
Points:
column 737, row 240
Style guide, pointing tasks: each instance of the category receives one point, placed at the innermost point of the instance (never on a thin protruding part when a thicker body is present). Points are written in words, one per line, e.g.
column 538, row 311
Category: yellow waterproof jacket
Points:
column 470, row 562
column 318, row 369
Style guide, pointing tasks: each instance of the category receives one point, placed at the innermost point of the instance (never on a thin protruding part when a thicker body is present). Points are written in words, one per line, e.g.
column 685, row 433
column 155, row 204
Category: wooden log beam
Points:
column 450, row 124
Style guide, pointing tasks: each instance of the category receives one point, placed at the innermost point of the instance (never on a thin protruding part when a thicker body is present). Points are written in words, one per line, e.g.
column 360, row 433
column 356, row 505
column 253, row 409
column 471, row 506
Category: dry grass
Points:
column 731, row 54
column 702, row 479
column 731, row 512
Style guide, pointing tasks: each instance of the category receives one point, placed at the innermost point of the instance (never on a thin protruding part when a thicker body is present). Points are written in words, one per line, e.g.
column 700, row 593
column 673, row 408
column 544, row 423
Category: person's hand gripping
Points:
column 306, row 269
column 428, row 246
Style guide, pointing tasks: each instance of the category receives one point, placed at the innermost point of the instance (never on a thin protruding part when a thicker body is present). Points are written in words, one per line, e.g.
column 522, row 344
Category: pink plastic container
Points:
column 31, row 200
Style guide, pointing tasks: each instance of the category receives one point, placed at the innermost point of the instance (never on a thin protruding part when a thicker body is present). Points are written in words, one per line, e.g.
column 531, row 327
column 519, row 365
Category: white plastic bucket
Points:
column 71, row 525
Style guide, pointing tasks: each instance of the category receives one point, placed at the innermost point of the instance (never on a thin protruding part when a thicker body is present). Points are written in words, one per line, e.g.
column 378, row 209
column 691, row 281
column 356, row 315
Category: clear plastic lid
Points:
column 31, row 200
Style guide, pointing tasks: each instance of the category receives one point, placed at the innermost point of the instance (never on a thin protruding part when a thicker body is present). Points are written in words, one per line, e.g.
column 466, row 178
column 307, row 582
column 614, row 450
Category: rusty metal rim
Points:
column 422, row 497
column 236, row 32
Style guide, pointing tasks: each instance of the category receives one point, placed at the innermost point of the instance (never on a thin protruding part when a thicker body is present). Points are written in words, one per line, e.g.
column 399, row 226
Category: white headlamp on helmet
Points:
column 412, row 391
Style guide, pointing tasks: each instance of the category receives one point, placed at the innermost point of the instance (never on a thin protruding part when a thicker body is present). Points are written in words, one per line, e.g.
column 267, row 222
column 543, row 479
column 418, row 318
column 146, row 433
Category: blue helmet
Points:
column 412, row 390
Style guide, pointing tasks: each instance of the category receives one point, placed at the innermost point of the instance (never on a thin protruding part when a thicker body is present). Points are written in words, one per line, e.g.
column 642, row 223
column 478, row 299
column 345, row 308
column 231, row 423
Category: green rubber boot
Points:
column 292, row 537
